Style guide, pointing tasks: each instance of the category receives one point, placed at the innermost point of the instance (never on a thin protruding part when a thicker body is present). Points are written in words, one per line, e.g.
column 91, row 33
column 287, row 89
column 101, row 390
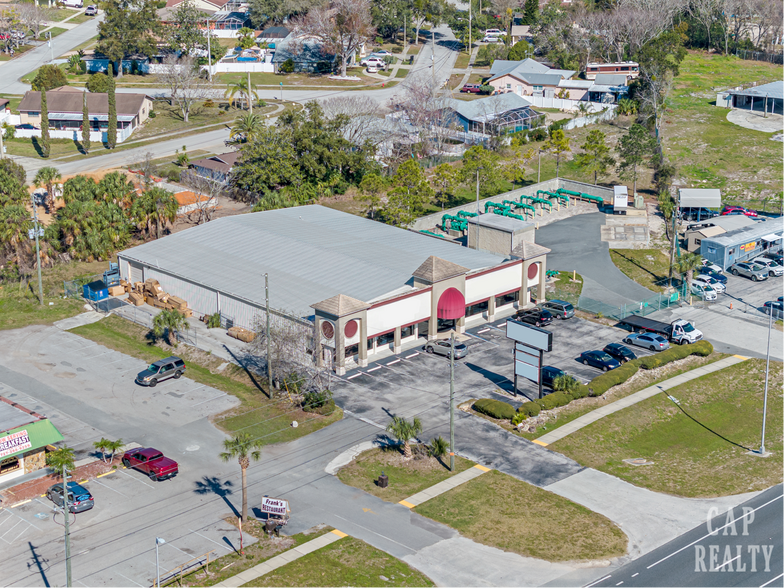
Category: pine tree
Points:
column 111, row 130
column 46, row 146
column 531, row 12
column 85, row 126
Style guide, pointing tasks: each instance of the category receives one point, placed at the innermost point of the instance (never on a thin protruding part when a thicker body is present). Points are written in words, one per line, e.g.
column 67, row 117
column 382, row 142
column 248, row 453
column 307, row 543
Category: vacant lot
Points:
column 698, row 447
column 647, row 267
column 406, row 478
column 526, row 520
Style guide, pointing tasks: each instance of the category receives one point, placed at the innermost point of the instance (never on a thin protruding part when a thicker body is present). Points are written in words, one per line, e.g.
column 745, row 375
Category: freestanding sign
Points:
column 275, row 506
column 530, row 344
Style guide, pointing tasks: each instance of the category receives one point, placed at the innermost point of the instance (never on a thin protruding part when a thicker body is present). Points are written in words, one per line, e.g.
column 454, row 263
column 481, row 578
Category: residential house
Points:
column 766, row 98
column 527, row 78
column 496, row 114
column 308, row 55
column 272, row 36
column 521, row 33
column 217, row 167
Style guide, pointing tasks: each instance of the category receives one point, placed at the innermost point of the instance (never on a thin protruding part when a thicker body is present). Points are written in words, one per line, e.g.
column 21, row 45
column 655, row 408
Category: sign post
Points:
column 530, row 344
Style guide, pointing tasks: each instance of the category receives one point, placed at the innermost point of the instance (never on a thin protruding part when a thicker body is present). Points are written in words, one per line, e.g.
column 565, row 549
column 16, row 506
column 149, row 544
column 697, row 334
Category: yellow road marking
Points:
column 740, row 357
column 481, row 467
column 106, row 474
column 340, row 534
column 542, row 443
column 407, row 504
column 21, row 503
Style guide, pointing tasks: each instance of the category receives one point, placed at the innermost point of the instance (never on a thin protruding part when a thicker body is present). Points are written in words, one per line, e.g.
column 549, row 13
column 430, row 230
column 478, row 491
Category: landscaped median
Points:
column 693, row 441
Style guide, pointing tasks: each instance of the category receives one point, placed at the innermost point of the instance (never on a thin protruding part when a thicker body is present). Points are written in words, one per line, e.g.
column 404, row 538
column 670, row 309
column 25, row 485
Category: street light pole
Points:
column 158, row 541
column 38, row 251
column 209, row 52
column 269, row 355
column 452, row 404
column 67, row 531
column 767, row 372
column 51, row 48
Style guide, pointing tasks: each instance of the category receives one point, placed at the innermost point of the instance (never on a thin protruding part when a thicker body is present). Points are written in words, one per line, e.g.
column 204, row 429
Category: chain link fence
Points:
column 760, row 56
column 74, row 288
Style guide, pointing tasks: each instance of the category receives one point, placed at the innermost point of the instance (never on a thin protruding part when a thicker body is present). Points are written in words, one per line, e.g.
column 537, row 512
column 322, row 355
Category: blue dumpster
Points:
column 95, row 291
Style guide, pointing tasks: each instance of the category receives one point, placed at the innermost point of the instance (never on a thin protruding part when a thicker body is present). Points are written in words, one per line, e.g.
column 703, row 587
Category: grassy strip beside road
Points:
column 348, row 562
column 406, row 478
column 501, row 511
column 699, row 447
column 647, row 267
column 264, row 419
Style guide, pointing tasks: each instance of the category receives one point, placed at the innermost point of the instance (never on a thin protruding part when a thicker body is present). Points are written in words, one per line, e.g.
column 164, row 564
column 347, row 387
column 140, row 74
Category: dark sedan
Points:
column 599, row 359
column 619, row 352
column 535, row 316
column 550, row 373
column 715, row 275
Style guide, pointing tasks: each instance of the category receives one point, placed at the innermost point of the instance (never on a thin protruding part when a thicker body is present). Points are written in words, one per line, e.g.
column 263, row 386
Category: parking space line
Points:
column 21, row 503
column 197, row 388
column 356, row 375
column 9, row 530
column 213, row 398
column 110, row 488
column 226, row 547
column 136, row 479
column 378, row 367
column 127, row 578
column 115, row 361
column 483, row 331
column 412, row 355
column 99, row 355
column 105, row 474
column 24, row 519
column 392, row 362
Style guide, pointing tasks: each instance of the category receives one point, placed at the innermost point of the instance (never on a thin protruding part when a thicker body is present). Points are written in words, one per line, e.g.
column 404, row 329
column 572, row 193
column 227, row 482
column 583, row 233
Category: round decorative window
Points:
column 327, row 329
column 351, row 329
column 533, row 269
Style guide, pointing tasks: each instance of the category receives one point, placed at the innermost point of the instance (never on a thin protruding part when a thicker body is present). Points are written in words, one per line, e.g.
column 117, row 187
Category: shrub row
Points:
column 497, row 409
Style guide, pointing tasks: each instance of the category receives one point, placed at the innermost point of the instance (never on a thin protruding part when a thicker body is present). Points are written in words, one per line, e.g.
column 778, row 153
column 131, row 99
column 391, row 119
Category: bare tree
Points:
column 769, row 19
column 146, row 170
column 187, row 87
column 33, row 16
column 207, row 191
column 705, row 12
column 506, row 9
column 341, row 26
column 363, row 113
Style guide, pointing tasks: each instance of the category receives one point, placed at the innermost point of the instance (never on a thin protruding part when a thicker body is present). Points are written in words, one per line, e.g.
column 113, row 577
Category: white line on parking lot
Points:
column 393, row 362
column 116, row 360
column 109, row 487
column 197, row 388
column 133, row 478
column 209, row 399
column 412, row 355
column 378, row 367
column 483, row 331
column 226, row 547
column 356, row 375
column 99, row 355
column 127, row 578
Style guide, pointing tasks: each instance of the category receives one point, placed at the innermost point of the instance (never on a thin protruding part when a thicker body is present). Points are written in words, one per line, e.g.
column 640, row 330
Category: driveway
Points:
column 576, row 245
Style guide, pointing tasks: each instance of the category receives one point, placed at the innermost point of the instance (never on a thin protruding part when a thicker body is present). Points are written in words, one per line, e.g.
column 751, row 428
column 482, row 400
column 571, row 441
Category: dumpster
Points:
column 95, row 291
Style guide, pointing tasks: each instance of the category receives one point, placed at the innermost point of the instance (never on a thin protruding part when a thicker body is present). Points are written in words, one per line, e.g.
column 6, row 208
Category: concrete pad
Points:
column 755, row 121
column 84, row 318
column 348, row 456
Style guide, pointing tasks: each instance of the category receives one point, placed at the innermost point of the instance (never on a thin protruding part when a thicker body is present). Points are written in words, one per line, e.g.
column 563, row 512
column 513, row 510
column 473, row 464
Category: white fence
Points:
column 74, row 135
column 241, row 67
column 565, row 103
column 581, row 121
column 11, row 119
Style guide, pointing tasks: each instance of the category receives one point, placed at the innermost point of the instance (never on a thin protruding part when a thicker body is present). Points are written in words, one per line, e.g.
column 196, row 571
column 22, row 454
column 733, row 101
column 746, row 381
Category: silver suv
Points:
column 171, row 367
column 755, row 272
column 774, row 267
column 560, row 308
column 442, row 346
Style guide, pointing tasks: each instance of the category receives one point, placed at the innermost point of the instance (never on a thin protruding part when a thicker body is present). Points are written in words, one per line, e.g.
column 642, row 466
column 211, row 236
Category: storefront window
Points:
column 407, row 332
column 370, row 342
column 9, row 464
column 475, row 309
column 352, row 350
column 422, row 328
column 385, row 339
column 507, row 298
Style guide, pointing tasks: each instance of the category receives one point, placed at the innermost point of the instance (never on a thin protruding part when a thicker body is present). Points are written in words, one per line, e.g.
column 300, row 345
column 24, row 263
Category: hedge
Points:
column 600, row 384
column 554, row 400
column 529, row 409
column 497, row 409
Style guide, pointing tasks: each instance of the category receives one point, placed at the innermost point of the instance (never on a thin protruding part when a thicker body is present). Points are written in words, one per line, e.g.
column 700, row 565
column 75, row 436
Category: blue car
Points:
column 599, row 359
column 715, row 275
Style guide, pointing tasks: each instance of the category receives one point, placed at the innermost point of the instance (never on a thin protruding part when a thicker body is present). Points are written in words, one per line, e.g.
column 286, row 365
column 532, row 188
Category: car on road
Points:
column 163, row 369
column 706, row 280
column 560, row 308
column 704, row 291
column 721, row 278
column 371, row 60
column 550, row 373
column 471, row 89
column 91, row 10
column 729, row 210
column 650, row 341
column 775, row 307
column 151, row 462
column 756, row 273
column 619, row 352
column 494, row 33
column 79, row 498
column 599, row 359
column 443, row 346
column 535, row 316
column 774, row 267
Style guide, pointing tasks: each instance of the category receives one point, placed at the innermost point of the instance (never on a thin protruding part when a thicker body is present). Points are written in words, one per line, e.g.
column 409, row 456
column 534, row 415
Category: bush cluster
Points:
column 554, row 400
column 529, row 409
column 600, row 384
column 497, row 409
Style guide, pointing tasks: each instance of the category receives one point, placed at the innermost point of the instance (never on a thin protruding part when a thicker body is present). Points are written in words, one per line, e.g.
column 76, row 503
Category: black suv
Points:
column 171, row 367
column 560, row 308
column 550, row 373
column 619, row 352
column 535, row 316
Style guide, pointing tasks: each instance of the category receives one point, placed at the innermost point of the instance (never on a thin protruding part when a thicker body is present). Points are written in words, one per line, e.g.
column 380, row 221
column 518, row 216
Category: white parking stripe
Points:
column 412, row 355
column 226, row 547
column 127, row 578
column 378, row 367
column 109, row 487
column 136, row 479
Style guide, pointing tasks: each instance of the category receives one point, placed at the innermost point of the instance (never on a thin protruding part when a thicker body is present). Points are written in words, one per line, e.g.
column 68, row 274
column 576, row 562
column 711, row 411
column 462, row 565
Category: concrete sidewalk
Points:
column 444, row 486
column 607, row 409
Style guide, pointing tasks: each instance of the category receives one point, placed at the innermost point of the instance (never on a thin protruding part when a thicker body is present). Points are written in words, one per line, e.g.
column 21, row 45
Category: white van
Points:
column 72, row 3
column 494, row 33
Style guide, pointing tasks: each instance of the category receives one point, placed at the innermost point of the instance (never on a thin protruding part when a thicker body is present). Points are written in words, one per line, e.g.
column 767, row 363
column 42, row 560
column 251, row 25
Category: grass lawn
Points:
column 61, row 14
column 80, row 19
column 30, row 148
column 462, row 60
column 504, row 512
column 54, row 31
column 293, row 79
column 347, row 562
column 405, row 478
column 647, row 267
column 565, row 288
column 744, row 164
column 267, row 420
column 401, row 73
column 698, row 448
column 168, row 119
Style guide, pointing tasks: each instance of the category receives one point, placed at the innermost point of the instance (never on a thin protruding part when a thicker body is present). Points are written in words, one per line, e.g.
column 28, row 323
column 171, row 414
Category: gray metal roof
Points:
column 730, row 222
column 487, row 108
column 528, row 65
column 11, row 417
column 700, row 197
column 771, row 90
column 610, row 79
column 527, row 70
column 739, row 236
column 502, row 223
column 310, row 252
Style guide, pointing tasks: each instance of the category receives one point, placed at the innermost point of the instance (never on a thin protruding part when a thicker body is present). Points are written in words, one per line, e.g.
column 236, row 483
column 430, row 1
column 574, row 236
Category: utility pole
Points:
column 470, row 44
column 767, row 372
column 539, row 171
column 452, row 404
column 209, row 52
column 250, row 98
column 269, row 354
column 433, row 50
column 477, row 189
column 67, row 531
column 36, row 231
column 51, row 48
column 158, row 541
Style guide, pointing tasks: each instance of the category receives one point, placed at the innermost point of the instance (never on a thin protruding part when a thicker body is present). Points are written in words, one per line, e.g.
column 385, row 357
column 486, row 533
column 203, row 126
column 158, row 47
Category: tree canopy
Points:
column 130, row 27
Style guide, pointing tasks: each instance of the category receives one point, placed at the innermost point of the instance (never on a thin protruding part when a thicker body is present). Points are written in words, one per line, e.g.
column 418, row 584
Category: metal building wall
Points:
column 201, row 299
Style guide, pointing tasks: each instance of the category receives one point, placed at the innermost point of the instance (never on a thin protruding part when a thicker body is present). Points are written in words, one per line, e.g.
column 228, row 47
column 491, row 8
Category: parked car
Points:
column 91, row 10
column 371, row 60
column 471, row 89
column 372, row 69
column 727, row 210
column 774, row 267
column 550, row 373
column 560, row 308
column 442, row 347
column 152, row 462
column 171, row 367
column 535, row 316
column 712, row 266
column 382, row 53
column 693, row 214
column 776, row 307
column 494, row 33
column 721, row 278
column 706, row 280
column 650, row 341
column 754, row 272
column 26, row 126
column 704, row 291
column 79, row 498
column 619, row 352
column 775, row 256
column 493, row 39
column 599, row 359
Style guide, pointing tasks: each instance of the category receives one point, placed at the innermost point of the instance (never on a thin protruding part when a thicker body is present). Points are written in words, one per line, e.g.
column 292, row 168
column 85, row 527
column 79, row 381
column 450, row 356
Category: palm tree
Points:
column 61, row 460
column 404, row 431
column 105, row 445
column 169, row 322
column 247, row 92
column 115, row 187
column 246, row 37
column 667, row 207
column 164, row 206
column 245, row 448
column 47, row 177
column 687, row 263
column 247, row 127
column 15, row 222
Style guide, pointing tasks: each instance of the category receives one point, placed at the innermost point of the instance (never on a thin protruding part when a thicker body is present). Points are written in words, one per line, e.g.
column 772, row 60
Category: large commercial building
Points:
column 364, row 285
column 24, row 436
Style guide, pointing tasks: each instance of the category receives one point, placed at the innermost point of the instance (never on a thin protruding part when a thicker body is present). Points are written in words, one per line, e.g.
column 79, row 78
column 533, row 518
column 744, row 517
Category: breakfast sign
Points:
column 14, row 443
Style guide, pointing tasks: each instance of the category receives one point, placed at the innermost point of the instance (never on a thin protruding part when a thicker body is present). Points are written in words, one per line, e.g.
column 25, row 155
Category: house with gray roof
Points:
column 307, row 55
column 527, row 78
column 496, row 114
column 765, row 98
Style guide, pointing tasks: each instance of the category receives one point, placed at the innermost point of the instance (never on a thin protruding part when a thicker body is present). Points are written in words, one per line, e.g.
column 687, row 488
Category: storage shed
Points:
column 743, row 244
column 699, row 198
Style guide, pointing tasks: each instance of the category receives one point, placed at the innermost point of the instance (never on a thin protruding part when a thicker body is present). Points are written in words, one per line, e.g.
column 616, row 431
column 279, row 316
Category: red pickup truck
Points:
column 151, row 462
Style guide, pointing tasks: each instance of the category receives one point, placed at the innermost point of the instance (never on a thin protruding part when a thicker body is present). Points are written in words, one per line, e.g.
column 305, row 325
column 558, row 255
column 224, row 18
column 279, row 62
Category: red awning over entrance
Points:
column 451, row 305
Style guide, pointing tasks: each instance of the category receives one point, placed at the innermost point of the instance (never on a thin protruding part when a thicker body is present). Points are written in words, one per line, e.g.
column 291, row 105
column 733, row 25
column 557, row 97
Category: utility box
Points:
column 639, row 201
column 620, row 199
column 95, row 291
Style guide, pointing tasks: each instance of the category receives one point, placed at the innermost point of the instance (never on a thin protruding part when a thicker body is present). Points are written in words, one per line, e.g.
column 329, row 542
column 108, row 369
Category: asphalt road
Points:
column 576, row 245
column 740, row 548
